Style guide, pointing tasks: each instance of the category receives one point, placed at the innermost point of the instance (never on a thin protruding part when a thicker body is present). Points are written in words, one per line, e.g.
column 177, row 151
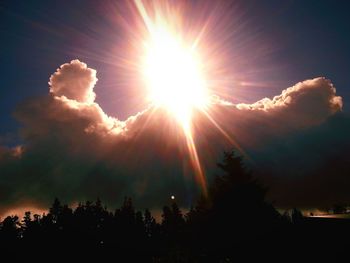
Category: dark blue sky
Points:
column 306, row 39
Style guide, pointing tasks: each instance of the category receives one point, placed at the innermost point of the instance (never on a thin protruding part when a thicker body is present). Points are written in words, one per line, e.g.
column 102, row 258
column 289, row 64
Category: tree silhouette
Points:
column 339, row 209
column 27, row 220
column 233, row 221
column 56, row 210
column 10, row 231
column 235, row 210
column 172, row 222
column 150, row 224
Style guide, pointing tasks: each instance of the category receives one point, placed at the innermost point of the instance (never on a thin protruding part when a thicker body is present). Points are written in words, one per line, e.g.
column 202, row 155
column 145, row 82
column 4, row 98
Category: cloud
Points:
column 260, row 124
column 75, row 81
column 308, row 102
column 310, row 96
column 72, row 149
column 309, row 168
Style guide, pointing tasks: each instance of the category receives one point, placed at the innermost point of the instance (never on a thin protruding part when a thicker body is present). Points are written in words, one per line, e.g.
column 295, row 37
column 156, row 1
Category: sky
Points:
column 258, row 48
column 304, row 39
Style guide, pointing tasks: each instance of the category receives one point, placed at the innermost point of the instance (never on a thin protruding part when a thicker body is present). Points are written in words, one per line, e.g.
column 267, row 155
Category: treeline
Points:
column 235, row 221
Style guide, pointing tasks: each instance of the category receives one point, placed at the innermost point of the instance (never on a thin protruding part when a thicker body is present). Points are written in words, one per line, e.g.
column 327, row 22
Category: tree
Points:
column 234, row 210
column 235, row 188
column 127, row 211
column 296, row 216
column 172, row 222
column 150, row 223
column 27, row 220
column 56, row 210
column 10, row 230
column 139, row 223
column 339, row 209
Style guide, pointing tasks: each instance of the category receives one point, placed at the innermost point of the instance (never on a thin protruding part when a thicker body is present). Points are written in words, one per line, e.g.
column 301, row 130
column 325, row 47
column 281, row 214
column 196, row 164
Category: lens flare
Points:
column 172, row 72
column 175, row 75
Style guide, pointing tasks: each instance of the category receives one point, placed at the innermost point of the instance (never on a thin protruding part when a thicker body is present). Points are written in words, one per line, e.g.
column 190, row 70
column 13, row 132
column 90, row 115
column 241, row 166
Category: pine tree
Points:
column 150, row 223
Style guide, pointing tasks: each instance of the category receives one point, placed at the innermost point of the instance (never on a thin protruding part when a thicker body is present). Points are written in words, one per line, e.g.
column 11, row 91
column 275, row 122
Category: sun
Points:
column 173, row 73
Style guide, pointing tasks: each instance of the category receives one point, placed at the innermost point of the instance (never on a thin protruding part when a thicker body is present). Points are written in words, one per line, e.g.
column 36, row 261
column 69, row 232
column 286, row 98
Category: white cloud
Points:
column 75, row 81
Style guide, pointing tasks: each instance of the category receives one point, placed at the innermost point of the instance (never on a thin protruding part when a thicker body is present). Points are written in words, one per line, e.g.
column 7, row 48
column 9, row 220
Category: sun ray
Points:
column 200, row 176
column 172, row 71
column 228, row 137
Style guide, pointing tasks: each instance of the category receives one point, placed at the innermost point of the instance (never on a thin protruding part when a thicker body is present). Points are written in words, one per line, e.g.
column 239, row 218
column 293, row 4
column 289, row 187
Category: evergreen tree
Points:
column 150, row 223
column 10, row 230
column 56, row 210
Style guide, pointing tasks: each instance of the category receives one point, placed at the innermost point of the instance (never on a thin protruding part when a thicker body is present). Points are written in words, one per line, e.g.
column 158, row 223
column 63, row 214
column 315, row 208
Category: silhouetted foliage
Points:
column 233, row 221
column 339, row 209
column 237, row 208
column 10, row 230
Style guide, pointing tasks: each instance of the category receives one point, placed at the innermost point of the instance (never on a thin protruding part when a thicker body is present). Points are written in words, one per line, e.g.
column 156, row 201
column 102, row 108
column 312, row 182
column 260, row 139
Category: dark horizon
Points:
column 233, row 221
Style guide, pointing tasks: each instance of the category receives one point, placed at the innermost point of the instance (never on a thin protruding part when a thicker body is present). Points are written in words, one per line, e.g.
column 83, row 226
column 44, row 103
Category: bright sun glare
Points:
column 174, row 77
column 173, row 74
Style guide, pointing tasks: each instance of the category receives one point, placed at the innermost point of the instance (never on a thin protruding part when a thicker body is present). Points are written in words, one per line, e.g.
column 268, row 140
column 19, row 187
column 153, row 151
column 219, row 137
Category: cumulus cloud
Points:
column 308, row 102
column 75, row 81
column 72, row 149
column 310, row 96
